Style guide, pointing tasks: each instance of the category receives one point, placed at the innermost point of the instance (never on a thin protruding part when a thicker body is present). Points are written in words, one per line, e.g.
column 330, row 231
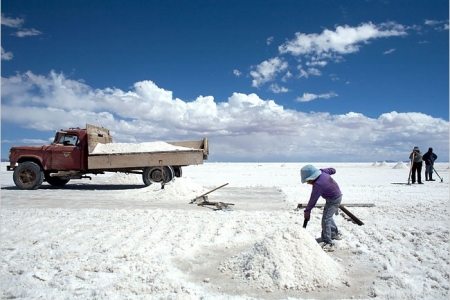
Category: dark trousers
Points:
column 416, row 167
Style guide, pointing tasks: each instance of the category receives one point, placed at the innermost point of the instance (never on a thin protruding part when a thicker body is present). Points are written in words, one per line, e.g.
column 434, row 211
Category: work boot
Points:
column 426, row 177
column 328, row 247
column 336, row 236
column 431, row 177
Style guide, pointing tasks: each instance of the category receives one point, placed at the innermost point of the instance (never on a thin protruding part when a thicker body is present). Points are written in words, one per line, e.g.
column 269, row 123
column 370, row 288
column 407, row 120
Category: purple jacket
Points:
column 324, row 186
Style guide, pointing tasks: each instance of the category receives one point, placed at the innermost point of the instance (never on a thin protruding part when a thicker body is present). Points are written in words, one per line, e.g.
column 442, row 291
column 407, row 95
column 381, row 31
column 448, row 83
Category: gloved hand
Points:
column 307, row 216
column 306, row 220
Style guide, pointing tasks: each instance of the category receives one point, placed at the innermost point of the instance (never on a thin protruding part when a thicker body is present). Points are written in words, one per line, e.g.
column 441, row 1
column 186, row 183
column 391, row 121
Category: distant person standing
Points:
column 429, row 159
column 416, row 162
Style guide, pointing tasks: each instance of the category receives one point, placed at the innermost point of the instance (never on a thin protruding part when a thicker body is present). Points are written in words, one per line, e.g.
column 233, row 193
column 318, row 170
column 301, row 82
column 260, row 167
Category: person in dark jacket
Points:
column 429, row 159
column 416, row 161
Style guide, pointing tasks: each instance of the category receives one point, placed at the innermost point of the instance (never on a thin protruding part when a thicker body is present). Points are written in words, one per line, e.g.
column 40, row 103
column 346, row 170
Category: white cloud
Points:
column 27, row 32
column 437, row 25
column 343, row 40
column 12, row 22
column 270, row 40
column 389, row 51
column 305, row 73
column 267, row 71
column 17, row 23
column 316, row 50
column 431, row 22
column 6, row 55
column 287, row 76
column 334, row 77
column 242, row 127
column 309, row 97
column 314, row 71
column 319, row 63
column 302, row 73
column 275, row 88
column 237, row 73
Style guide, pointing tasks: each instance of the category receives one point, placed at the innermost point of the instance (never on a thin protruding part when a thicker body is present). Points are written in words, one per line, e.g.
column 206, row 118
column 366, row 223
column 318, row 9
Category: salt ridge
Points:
column 136, row 147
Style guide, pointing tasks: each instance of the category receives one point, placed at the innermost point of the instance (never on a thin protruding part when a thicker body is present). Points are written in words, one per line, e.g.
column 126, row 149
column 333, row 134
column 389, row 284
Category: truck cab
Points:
column 66, row 152
column 34, row 164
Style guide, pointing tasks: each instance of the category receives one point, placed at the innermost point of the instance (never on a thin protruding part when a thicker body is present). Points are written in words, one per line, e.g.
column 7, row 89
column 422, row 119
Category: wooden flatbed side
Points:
column 194, row 154
column 146, row 159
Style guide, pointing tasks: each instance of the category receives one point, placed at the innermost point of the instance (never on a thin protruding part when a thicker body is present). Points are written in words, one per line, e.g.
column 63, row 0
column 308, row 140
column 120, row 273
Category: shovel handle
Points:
column 305, row 223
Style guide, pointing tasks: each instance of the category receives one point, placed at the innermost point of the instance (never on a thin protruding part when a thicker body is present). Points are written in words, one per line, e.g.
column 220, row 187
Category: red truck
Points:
column 71, row 155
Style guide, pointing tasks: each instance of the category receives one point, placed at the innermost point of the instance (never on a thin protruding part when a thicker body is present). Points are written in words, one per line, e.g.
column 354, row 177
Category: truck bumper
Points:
column 9, row 168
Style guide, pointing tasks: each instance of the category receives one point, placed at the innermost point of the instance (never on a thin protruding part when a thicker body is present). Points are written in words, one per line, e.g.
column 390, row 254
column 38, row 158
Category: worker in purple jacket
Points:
column 325, row 186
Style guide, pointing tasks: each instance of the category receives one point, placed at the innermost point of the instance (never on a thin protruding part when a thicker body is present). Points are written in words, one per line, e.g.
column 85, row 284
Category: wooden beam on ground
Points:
column 352, row 216
column 218, row 205
column 347, row 204
column 345, row 210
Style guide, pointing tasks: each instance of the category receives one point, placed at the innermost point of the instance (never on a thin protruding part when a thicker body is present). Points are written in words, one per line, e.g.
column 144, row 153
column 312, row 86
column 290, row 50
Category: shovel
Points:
column 442, row 179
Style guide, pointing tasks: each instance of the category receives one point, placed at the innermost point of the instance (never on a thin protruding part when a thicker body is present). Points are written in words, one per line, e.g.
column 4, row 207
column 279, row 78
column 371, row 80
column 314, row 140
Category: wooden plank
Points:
column 347, row 204
column 352, row 216
column 210, row 191
column 214, row 203
column 96, row 135
column 203, row 144
column 203, row 196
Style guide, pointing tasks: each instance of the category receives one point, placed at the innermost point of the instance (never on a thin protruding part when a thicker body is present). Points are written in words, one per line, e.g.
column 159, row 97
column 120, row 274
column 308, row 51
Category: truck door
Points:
column 66, row 155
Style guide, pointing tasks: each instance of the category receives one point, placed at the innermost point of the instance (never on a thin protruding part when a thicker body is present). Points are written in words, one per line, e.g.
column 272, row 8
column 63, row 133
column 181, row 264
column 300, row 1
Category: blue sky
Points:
column 263, row 80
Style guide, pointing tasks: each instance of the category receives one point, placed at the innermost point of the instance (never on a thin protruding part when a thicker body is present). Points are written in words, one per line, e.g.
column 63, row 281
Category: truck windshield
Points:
column 68, row 139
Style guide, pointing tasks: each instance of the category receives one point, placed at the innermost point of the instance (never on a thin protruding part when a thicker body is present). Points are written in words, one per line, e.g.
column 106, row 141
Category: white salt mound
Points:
column 382, row 164
column 400, row 165
column 288, row 259
column 122, row 178
column 180, row 189
column 111, row 148
column 375, row 164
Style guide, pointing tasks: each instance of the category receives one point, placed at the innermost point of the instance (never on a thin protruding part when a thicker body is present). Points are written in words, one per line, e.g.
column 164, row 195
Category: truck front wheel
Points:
column 157, row 175
column 28, row 176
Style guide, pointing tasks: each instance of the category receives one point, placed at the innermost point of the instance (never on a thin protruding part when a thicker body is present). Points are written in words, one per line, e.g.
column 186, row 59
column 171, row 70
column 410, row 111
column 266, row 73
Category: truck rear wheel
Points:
column 55, row 181
column 28, row 176
column 157, row 175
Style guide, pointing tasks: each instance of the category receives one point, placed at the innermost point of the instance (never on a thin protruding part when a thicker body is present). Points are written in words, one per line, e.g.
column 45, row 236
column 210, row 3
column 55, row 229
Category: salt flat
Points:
column 113, row 238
